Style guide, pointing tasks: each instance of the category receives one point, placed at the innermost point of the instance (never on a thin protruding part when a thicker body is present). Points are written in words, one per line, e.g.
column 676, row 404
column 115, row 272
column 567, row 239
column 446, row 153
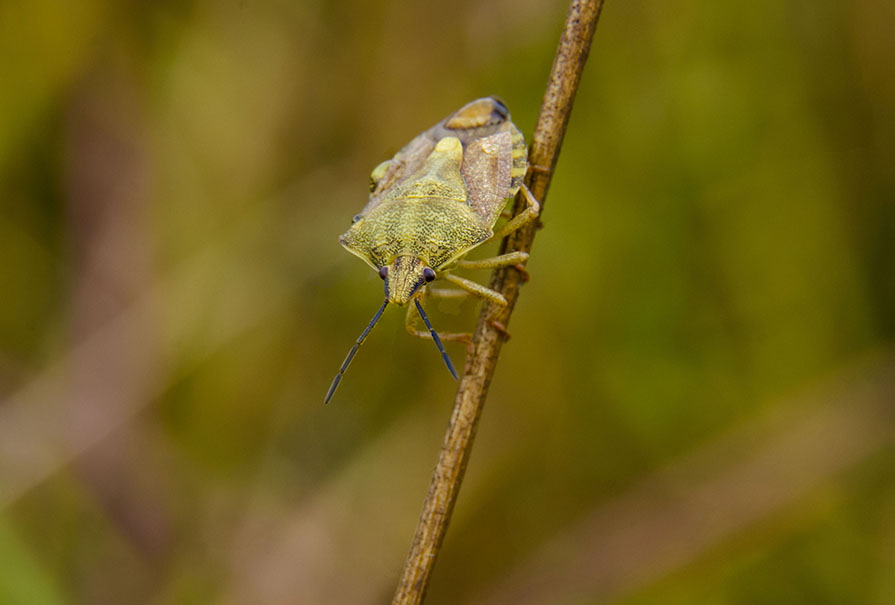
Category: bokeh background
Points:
column 697, row 402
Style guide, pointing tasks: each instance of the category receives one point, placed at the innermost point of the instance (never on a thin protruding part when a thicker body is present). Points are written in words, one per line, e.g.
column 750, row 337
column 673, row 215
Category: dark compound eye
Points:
column 383, row 271
column 428, row 274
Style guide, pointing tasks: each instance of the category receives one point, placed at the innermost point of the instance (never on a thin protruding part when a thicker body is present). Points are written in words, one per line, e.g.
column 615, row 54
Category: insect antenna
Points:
column 357, row 343
column 444, row 355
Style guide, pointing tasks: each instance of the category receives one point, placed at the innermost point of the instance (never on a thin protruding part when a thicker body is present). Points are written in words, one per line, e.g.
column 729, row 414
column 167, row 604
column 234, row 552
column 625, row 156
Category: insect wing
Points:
column 404, row 165
column 477, row 120
column 487, row 170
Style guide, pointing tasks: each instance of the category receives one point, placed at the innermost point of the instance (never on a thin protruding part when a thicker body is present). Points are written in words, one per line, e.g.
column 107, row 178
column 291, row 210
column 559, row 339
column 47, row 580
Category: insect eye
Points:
column 428, row 274
column 383, row 271
column 356, row 218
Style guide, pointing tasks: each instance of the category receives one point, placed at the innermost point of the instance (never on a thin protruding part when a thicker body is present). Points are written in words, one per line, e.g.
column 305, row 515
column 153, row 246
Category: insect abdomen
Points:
column 520, row 161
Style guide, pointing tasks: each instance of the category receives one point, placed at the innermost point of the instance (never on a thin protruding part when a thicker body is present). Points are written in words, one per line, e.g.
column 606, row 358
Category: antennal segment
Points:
column 444, row 355
column 357, row 343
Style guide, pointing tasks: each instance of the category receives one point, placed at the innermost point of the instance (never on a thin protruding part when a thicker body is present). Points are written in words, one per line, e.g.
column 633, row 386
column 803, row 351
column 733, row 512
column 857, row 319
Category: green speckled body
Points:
column 436, row 200
column 439, row 197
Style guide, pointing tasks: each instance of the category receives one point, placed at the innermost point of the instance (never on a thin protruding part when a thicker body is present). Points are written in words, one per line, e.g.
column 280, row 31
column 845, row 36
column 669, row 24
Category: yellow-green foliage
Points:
column 717, row 254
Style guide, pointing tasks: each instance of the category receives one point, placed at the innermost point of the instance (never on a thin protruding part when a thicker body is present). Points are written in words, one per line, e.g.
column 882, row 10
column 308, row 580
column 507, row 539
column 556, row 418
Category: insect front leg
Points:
column 523, row 218
column 443, row 293
column 410, row 320
column 480, row 290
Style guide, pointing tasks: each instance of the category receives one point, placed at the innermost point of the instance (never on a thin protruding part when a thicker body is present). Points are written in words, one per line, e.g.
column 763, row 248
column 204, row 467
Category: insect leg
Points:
column 475, row 288
column 441, row 293
column 523, row 218
column 410, row 323
column 504, row 260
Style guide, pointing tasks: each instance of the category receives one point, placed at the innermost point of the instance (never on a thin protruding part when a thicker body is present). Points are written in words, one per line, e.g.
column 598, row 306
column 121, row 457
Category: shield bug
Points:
column 437, row 199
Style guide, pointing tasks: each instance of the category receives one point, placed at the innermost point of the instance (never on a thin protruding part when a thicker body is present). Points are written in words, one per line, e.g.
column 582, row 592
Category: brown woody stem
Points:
column 568, row 64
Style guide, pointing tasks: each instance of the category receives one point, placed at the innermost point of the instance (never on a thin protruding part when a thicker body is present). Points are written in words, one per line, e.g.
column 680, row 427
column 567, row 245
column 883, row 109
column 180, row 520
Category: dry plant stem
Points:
column 568, row 64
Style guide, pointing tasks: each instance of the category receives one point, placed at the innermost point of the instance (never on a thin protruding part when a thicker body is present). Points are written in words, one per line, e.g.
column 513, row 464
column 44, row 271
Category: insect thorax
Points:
column 435, row 230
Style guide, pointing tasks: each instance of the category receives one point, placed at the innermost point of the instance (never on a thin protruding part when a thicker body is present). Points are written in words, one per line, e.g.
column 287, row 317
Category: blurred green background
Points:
column 697, row 402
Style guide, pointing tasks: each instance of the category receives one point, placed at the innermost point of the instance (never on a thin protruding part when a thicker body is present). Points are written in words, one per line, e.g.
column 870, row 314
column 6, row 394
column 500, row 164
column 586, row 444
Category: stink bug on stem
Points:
column 436, row 200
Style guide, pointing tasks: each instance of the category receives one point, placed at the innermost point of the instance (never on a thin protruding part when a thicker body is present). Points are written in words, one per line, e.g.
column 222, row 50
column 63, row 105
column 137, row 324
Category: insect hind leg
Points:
column 530, row 213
